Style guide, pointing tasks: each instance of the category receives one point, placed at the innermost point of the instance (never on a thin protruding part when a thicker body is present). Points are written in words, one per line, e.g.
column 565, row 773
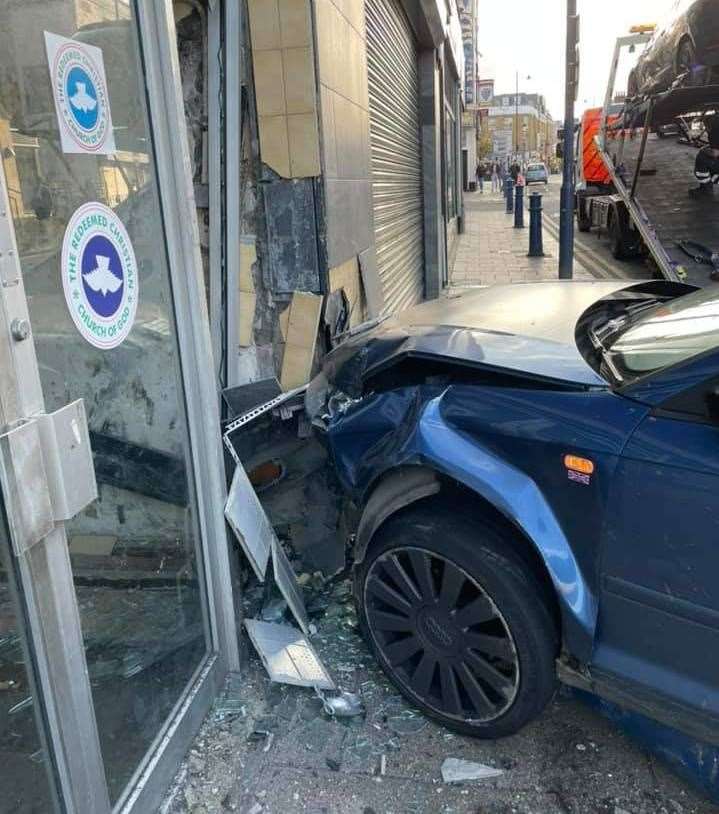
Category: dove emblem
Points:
column 81, row 99
column 101, row 279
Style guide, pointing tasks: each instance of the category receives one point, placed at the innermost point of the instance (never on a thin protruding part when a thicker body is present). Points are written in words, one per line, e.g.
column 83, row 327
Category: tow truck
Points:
column 635, row 165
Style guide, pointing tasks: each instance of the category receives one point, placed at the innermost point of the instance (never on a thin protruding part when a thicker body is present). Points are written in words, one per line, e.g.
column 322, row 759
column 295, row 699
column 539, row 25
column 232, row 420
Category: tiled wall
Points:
column 284, row 74
column 344, row 110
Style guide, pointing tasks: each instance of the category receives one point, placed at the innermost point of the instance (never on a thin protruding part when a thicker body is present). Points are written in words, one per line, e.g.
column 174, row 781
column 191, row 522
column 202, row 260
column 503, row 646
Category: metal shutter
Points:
column 396, row 153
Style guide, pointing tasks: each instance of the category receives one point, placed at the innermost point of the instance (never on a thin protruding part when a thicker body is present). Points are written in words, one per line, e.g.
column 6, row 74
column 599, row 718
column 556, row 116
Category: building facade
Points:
column 191, row 199
column 519, row 126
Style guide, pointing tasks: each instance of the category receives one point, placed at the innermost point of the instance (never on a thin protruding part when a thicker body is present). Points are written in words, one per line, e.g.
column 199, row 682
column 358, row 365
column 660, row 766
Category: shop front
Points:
column 116, row 619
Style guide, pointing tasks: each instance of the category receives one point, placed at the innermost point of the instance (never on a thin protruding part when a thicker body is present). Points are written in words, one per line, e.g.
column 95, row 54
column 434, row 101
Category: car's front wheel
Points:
column 458, row 621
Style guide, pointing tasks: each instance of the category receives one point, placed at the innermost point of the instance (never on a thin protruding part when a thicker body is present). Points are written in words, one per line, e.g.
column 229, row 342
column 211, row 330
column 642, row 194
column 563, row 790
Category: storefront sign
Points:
column 99, row 275
column 79, row 88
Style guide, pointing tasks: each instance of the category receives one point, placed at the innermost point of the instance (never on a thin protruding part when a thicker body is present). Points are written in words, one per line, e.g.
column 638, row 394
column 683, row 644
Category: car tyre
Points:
column 616, row 237
column 458, row 620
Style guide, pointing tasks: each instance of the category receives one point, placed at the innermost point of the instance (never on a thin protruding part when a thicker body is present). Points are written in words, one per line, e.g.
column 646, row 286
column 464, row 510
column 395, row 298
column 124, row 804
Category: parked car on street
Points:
column 536, row 471
column 537, row 173
column 686, row 43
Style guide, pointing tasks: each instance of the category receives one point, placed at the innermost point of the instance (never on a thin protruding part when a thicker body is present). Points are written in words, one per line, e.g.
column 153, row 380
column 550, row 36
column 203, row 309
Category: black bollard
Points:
column 536, row 249
column 519, row 207
column 509, row 194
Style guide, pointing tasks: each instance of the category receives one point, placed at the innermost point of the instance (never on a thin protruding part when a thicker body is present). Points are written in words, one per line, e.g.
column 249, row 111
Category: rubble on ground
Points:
column 268, row 748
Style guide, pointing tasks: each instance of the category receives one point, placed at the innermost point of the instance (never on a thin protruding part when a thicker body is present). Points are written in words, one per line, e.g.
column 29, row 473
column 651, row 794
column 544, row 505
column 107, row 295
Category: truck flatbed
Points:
column 667, row 106
column 662, row 208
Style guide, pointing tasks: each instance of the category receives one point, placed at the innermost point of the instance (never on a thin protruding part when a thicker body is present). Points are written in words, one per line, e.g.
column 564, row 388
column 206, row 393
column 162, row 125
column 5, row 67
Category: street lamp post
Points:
column 566, row 213
column 516, row 113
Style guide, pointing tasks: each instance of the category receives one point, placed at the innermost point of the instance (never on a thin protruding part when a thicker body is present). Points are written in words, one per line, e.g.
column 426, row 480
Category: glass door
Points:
column 76, row 148
column 27, row 776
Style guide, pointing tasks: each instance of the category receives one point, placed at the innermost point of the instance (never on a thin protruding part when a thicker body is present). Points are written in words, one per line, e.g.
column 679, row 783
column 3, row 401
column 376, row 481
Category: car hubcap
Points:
column 441, row 634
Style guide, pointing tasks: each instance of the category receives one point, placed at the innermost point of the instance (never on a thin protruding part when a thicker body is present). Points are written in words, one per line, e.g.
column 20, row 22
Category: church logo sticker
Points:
column 99, row 276
column 79, row 87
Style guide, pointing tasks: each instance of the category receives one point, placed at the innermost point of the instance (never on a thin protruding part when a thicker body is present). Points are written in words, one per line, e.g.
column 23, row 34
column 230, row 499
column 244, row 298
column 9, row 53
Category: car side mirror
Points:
column 711, row 399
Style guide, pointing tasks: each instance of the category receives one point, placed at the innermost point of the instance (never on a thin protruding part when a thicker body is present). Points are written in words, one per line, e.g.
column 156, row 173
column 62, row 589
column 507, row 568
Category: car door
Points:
column 658, row 631
column 658, row 60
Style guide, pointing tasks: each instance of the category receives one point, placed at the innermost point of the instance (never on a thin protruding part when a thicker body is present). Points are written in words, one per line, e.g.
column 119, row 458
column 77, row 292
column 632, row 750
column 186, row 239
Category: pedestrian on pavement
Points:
column 706, row 164
column 495, row 177
column 480, row 178
column 514, row 171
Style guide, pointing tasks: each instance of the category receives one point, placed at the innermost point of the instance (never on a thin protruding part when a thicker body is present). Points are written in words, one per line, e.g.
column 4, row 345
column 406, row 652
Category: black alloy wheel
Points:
column 442, row 634
column 458, row 619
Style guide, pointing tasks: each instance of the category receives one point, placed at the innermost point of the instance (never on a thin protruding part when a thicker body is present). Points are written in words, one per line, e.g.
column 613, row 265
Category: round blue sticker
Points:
column 81, row 94
column 99, row 275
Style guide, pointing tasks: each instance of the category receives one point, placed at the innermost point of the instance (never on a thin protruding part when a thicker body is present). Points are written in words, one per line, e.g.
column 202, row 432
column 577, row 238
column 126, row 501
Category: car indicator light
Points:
column 577, row 464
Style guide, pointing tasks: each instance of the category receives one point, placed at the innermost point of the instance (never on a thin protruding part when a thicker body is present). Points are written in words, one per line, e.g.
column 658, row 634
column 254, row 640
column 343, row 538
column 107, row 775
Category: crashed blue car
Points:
column 535, row 470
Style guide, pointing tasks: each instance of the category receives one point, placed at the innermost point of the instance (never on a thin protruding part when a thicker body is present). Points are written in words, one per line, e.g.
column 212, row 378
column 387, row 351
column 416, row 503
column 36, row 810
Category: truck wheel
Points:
column 616, row 236
column 458, row 621
column 584, row 223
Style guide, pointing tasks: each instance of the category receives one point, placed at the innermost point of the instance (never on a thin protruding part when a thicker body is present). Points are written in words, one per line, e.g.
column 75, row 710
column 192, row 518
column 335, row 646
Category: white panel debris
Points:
column 288, row 656
column 249, row 522
column 287, row 583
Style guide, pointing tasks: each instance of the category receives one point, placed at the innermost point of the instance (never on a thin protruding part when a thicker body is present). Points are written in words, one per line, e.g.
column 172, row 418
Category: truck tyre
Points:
column 458, row 621
column 617, row 240
column 584, row 222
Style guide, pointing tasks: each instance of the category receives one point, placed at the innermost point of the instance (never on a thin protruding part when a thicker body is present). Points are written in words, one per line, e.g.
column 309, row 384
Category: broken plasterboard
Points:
column 246, row 294
column 304, row 320
column 288, row 585
column 288, row 656
column 246, row 320
column 284, row 320
column 249, row 522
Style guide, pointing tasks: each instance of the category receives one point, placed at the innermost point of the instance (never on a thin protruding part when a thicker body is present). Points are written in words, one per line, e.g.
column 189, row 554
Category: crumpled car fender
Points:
column 428, row 441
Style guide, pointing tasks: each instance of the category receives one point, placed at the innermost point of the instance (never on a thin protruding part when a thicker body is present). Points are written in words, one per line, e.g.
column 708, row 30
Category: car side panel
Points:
column 703, row 24
column 660, row 594
column 507, row 445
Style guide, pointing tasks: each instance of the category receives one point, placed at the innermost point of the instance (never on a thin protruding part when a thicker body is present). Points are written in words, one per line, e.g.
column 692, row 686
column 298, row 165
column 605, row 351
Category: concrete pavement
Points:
column 492, row 251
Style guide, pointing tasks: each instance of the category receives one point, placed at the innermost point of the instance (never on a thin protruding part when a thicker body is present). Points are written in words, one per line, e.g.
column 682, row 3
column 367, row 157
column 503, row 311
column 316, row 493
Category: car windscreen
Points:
column 535, row 168
column 667, row 334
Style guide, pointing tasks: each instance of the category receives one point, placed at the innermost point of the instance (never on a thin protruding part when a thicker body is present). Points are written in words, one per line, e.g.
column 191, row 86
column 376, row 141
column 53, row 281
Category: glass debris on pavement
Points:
column 455, row 770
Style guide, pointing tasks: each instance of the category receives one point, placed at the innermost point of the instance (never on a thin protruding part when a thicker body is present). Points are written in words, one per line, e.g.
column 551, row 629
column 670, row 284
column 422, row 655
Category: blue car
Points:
column 537, row 174
column 535, row 470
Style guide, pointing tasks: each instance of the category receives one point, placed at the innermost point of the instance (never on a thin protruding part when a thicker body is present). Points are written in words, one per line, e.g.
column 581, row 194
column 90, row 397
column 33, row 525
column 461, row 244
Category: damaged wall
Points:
column 191, row 23
column 345, row 124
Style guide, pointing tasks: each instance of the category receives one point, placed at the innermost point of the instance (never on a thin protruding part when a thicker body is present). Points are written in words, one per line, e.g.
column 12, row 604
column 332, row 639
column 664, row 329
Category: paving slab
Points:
column 491, row 251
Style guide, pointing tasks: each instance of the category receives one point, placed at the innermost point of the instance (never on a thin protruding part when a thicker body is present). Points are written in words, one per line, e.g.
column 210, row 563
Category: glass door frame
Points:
column 41, row 551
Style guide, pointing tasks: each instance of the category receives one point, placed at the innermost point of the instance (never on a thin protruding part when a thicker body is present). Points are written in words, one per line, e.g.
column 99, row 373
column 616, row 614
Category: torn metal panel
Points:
column 287, row 655
column 287, row 583
column 249, row 522
column 245, row 397
column 275, row 403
